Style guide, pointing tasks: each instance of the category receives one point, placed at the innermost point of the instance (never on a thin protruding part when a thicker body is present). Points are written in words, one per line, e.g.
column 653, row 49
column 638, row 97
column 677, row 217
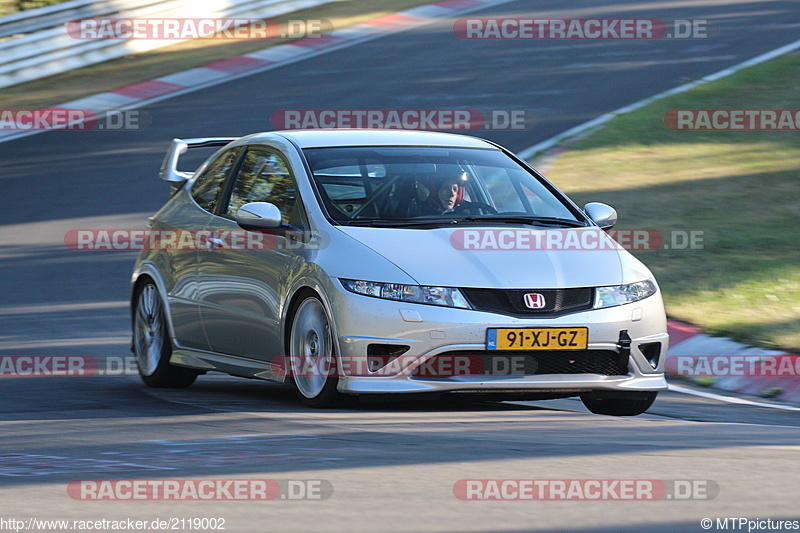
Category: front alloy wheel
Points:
column 151, row 343
column 311, row 354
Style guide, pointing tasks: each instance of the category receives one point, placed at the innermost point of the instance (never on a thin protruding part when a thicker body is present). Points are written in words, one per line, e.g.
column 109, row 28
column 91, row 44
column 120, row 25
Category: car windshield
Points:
column 396, row 186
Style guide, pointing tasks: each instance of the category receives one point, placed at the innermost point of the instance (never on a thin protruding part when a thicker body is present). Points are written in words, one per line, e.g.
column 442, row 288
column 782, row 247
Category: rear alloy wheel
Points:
column 620, row 403
column 151, row 344
column 311, row 354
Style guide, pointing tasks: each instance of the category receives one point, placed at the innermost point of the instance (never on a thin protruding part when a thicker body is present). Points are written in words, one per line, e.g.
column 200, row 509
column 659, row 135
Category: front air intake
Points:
column 380, row 355
column 651, row 352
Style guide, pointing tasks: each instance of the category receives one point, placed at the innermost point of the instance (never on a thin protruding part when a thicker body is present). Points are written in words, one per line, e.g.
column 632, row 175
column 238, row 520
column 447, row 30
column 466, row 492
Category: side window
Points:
column 206, row 191
column 264, row 177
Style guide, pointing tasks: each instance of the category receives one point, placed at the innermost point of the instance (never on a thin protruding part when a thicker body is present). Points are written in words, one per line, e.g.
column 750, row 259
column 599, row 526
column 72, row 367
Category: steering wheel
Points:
column 475, row 208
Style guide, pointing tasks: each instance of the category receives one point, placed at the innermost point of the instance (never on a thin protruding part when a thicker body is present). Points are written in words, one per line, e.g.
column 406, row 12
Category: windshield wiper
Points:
column 430, row 222
column 397, row 223
column 521, row 219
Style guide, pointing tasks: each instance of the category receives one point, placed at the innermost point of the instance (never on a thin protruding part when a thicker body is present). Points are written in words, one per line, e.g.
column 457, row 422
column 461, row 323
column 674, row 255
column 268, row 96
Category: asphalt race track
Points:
column 384, row 466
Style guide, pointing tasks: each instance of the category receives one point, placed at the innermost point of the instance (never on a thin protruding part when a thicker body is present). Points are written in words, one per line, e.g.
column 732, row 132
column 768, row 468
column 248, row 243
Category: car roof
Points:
column 324, row 138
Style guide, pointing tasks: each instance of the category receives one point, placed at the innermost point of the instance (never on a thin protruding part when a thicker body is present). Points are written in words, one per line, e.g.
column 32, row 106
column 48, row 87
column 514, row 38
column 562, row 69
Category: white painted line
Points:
column 429, row 11
column 196, row 75
column 11, row 344
column 99, row 102
column 355, row 32
column 587, row 127
column 621, row 65
column 707, row 346
column 31, row 309
column 237, row 439
column 277, row 54
column 729, row 399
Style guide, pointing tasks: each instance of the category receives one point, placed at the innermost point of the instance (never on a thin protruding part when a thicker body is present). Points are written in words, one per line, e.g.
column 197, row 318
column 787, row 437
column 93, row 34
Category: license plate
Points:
column 537, row 339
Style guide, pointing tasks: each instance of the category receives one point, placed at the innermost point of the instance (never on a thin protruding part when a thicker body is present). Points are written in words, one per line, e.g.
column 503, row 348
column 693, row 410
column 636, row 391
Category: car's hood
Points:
column 450, row 257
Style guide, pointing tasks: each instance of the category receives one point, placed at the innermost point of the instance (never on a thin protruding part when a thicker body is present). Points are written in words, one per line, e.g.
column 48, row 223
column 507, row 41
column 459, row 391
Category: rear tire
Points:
column 620, row 404
column 312, row 358
column 151, row 343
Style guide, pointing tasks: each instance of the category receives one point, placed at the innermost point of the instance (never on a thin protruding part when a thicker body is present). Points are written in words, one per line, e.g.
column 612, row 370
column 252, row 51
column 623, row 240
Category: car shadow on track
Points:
column 224, row 393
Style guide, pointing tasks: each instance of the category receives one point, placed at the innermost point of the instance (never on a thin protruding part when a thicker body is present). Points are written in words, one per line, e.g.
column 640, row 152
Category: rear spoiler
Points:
column 169, row 167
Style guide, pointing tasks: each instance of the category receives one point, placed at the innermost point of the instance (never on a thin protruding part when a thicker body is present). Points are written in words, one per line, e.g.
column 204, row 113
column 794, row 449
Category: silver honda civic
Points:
column 357, row 262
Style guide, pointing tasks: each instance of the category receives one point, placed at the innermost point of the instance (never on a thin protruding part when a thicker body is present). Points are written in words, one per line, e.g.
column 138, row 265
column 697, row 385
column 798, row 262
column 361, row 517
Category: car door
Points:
column 242, row 283
column 178, row 225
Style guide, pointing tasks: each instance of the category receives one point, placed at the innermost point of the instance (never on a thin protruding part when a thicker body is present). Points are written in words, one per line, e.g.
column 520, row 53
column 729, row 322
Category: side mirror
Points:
column 258, row 215
column 603, row 215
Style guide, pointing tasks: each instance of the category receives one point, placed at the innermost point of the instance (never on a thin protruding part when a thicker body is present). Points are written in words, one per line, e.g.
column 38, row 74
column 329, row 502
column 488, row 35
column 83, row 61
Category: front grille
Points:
column 512, row 301
column 528, row 363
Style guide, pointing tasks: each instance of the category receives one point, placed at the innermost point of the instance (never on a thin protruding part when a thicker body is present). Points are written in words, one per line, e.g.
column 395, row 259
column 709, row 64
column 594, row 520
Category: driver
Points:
column 446, row 196
column 443, row 193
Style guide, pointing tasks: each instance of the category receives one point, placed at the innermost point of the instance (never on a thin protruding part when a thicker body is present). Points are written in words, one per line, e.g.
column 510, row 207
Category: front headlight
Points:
column 624, row 294
column 446, row 296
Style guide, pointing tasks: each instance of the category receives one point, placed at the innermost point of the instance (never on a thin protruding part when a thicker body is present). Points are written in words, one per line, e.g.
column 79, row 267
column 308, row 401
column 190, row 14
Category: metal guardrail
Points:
column 43, row 18
column 37, row 44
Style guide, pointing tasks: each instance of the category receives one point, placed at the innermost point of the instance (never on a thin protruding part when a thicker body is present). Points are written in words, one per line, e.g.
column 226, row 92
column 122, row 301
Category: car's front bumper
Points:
column 430, row 331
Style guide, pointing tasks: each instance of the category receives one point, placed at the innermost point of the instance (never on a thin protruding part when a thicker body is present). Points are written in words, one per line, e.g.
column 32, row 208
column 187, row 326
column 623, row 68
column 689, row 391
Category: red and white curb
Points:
column 137, row 95
column 732, row 366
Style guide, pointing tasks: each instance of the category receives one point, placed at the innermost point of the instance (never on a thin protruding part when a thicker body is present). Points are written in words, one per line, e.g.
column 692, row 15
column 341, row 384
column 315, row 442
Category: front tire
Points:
column 619, row 404
column 312, row 356
column 151, row 343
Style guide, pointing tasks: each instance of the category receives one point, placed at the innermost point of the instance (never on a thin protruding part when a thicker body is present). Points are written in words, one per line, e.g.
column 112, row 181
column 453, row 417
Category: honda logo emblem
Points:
column 534, row 300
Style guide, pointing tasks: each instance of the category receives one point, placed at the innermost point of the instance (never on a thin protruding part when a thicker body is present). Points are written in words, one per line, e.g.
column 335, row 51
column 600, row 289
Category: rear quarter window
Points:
column 207, row 189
